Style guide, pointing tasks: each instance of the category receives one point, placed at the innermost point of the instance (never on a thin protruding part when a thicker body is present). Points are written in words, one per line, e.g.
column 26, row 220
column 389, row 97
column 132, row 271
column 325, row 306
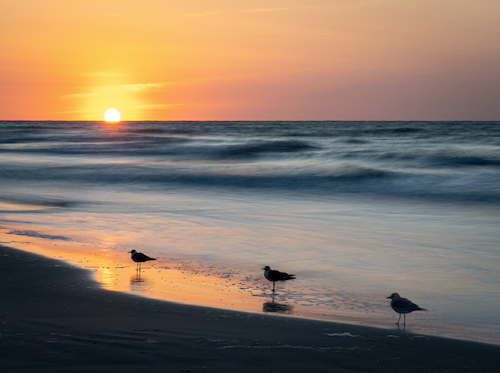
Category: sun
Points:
column 112, row 115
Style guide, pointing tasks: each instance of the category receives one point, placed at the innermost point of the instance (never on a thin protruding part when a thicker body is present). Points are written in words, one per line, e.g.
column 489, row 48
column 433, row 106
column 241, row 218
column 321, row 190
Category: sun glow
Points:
column 112, row 115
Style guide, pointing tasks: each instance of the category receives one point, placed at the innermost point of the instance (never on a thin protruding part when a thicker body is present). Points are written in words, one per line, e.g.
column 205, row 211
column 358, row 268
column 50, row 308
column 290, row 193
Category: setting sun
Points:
column 112, row 115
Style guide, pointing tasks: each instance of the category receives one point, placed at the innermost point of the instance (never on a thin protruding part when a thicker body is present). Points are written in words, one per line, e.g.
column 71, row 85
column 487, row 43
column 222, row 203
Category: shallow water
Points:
column 356, row 210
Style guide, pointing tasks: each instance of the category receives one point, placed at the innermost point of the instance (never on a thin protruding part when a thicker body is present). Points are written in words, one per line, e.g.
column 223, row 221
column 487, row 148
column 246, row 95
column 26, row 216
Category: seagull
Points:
column 274, row 276
column 403, row 306
column 139, row 258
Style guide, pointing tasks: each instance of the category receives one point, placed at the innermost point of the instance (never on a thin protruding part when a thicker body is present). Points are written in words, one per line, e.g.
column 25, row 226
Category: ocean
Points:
column 356, row 210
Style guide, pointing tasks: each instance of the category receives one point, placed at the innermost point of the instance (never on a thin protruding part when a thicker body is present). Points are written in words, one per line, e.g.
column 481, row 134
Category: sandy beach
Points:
column 54, row 317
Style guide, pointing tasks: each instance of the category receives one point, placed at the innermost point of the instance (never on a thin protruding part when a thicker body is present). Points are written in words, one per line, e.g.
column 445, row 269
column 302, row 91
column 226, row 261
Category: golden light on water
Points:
column 112, row 115
column 167, row 279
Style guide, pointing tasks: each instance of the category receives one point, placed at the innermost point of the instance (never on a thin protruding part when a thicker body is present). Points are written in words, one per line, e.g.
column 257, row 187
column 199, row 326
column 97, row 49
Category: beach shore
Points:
column 54, row 317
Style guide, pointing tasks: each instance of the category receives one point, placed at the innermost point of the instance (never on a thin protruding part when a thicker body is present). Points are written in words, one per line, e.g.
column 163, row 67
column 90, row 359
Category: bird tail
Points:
column 421, row 309
column 291, row 277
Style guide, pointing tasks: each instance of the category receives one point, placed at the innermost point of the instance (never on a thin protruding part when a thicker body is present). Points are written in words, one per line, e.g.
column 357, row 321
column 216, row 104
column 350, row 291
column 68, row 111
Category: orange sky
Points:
column 250, row 60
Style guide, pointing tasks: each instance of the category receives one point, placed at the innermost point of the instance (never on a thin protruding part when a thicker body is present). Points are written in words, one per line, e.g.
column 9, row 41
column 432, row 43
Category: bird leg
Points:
column 399, row 319
column 274, row 284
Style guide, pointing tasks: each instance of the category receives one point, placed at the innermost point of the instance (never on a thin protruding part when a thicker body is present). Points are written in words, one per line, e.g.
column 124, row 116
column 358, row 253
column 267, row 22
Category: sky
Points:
column 250, row 59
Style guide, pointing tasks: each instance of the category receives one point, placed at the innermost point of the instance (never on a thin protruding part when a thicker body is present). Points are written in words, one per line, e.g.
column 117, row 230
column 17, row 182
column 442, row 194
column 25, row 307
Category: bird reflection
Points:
column 275, row 307
column 138, row 283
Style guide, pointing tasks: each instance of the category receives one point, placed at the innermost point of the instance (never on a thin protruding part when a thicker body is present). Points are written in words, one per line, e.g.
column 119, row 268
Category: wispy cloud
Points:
column 78, row 95
column 253, row 10
column 102, row 74
column 142, row 86
column 97, row 90
column 157, row 106
column 71, row 111
column 205, row 14
column 267, row 10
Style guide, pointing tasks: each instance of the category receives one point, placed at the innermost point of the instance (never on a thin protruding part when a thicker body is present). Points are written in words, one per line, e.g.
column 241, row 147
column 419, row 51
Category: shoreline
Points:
column 187, row 281
column 55, row 318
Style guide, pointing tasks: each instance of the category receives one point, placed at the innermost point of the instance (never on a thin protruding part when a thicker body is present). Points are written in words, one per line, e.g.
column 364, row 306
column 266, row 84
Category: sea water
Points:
column 356, row 210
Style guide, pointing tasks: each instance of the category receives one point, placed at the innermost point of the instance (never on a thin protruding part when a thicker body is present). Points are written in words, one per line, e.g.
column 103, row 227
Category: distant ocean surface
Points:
column 357, row 210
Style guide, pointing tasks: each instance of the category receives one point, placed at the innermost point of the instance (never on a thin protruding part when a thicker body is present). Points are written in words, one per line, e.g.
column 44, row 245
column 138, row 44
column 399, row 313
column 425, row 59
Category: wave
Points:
column 154, row 146
column 361, row 181
column 392, row 131
column 262, row 147
column 429, row 160
column 38, row 201
column 424, row 159
column 459, row 161
column 39, row 235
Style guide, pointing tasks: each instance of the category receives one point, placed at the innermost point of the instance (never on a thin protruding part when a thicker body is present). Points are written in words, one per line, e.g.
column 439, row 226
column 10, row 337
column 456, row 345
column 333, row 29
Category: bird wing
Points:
column 140, row 257
column 279, row 276
column 404, row 304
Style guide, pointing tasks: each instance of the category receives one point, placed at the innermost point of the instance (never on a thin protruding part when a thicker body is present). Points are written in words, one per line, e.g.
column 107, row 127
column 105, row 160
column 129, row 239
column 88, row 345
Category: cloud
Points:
column 142, row 86
column 205, row 14
column 157, row 106
column 254, row 10
column 78, row 95
column 97, row 90
column 102, row 74
column 266, row 10
column 72, row 112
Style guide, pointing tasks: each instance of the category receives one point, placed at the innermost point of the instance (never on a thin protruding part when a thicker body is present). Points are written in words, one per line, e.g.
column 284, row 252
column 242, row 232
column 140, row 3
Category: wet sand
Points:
column 54, row 317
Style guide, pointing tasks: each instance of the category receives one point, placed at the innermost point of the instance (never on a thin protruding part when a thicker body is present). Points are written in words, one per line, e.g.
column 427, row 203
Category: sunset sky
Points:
column 250, row 60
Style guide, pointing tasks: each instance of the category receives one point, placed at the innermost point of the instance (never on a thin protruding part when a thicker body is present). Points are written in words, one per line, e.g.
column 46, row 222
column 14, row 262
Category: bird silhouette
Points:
column 274, row 276
column 403, row 306
column 139, row 258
